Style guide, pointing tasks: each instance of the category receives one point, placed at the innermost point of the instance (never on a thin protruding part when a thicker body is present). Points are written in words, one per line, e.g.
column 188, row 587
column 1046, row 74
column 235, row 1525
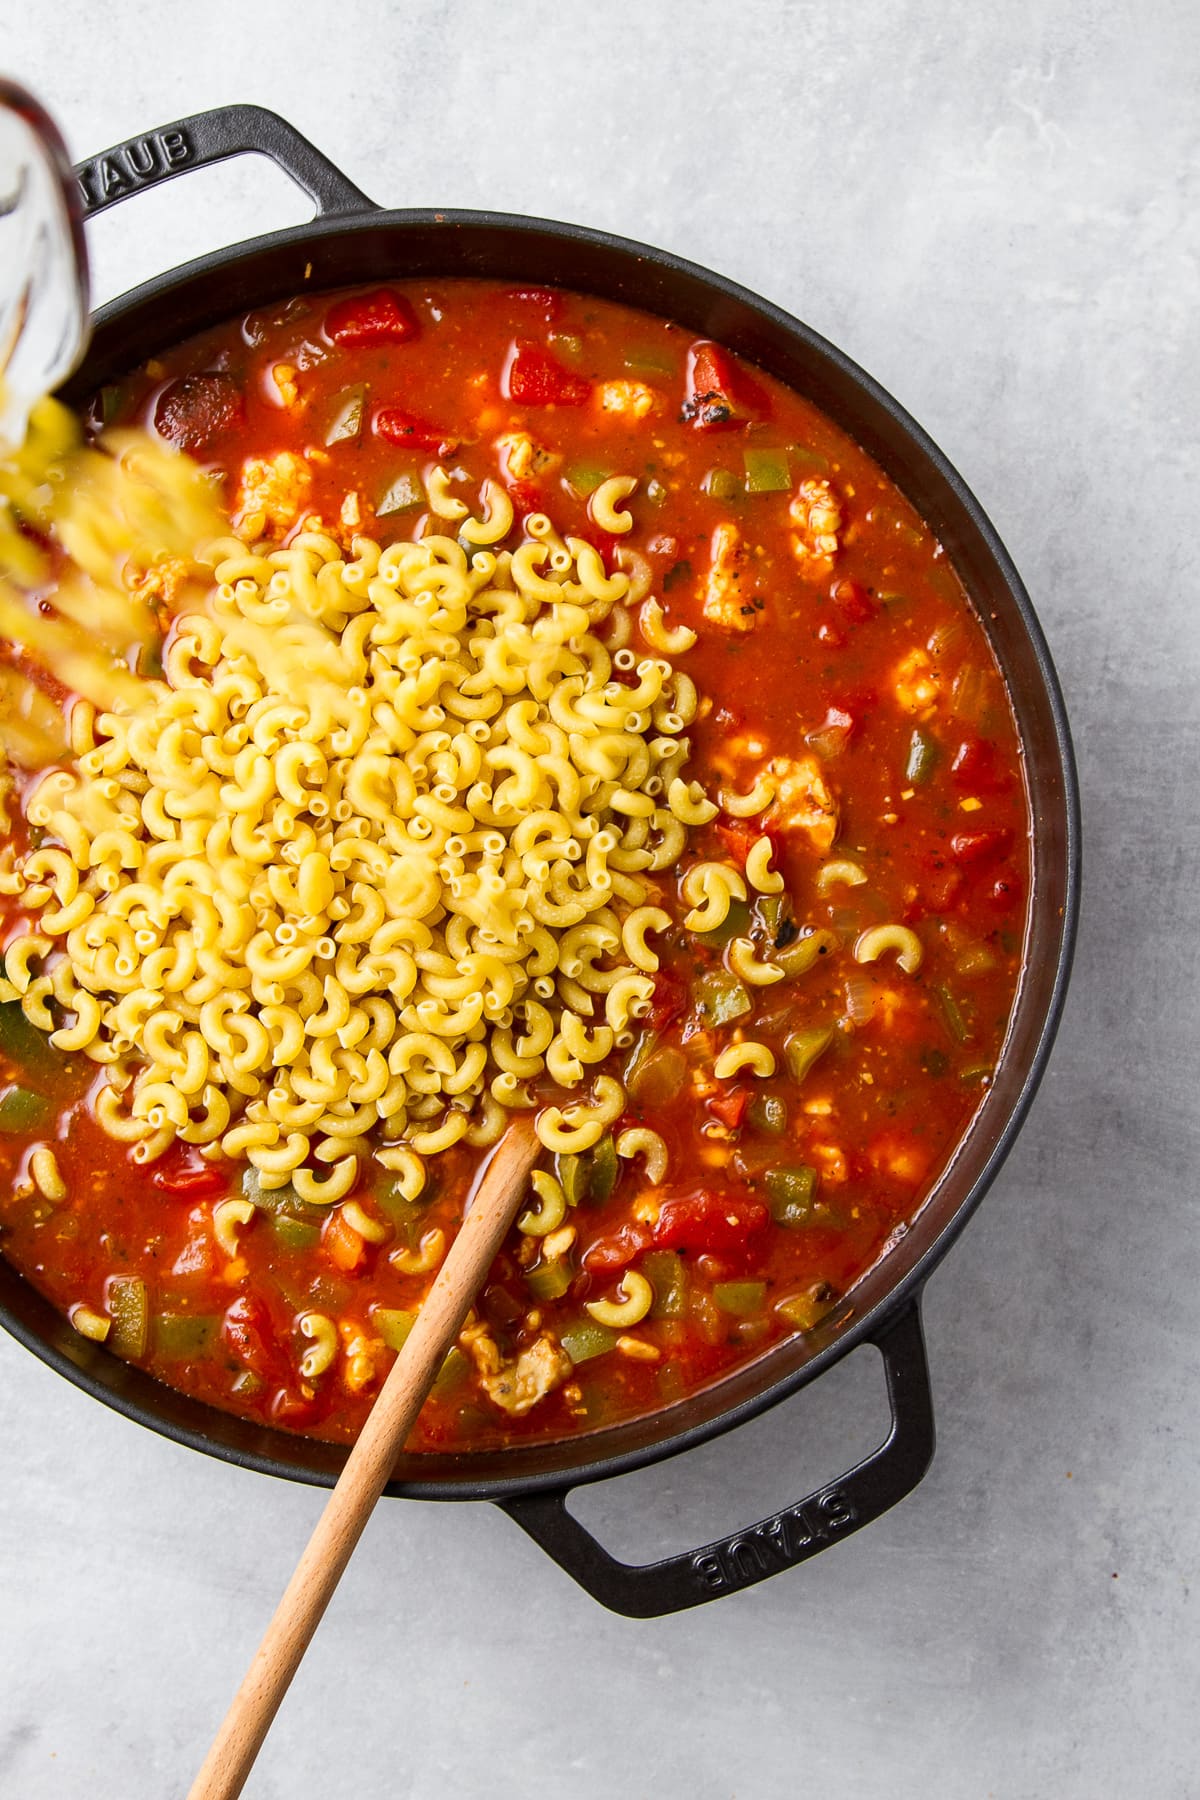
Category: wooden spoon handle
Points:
column 368, row 1467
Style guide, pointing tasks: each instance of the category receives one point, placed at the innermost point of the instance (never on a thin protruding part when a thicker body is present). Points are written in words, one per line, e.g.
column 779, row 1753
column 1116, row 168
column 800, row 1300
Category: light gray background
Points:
column 996, row 211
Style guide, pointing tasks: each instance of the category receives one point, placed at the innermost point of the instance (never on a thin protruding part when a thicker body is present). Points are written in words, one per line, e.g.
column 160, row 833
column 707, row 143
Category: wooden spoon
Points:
column 489, row 1215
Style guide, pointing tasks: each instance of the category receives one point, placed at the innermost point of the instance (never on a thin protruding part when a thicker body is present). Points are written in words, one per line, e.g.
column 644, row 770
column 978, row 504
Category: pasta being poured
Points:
column 376, row 853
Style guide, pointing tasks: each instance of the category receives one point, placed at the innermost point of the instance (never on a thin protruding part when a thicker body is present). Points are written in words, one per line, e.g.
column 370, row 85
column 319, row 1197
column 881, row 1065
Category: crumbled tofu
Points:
column 915, row 683
column 728, row 598
column 284, row 377
column 351, row 513
column 816, row 514
column 555, row 1247
column 637, row 1349
column 273, row 491
column 630, row 400
column 833, row 1161
column 521, row 457
column 904, row 1161
column 518, row 1386
column 163, row 583
column 803, row 801
column 361, row 1357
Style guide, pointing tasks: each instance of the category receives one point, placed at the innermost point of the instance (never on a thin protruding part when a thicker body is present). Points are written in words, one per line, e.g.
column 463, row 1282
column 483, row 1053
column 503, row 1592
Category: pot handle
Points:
column 792, row 1536
column 208, row 137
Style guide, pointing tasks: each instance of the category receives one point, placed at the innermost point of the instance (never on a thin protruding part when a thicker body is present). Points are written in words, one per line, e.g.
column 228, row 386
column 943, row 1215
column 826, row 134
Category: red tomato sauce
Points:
column 866, row 661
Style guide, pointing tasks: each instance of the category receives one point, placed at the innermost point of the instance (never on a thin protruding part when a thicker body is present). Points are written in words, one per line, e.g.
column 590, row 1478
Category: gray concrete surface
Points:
column 997, row 211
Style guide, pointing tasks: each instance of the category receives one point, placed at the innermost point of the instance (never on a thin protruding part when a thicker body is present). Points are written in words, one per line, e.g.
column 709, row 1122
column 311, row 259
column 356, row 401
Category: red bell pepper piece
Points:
column 534, row 378
column 181, row 1173
column 412, row 433
column 720, row 396
column 384, row 317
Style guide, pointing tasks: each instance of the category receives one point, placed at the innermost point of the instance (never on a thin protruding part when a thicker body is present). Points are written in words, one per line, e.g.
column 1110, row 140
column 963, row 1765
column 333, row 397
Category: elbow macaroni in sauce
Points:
column 575, row 719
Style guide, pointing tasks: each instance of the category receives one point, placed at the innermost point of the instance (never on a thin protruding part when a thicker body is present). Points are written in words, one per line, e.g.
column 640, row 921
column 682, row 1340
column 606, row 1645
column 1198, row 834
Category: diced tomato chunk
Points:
column 738, row 838
column 181, row 1172
column 534, row 378
column 834, row 732
column 191, row 412
column 670, row 1000
column 853, row 602
column 547, row 301
column 940, row 888
column 342, row 1244
column 730, row 1107
column 727, row 1224
column 720, row 396
column 618, row 1250
column 979, row 849
column 246, row 1330
column 384, row 317
column 293, row 1410
column 976, row 768
column 527, row 497
column 412, row 433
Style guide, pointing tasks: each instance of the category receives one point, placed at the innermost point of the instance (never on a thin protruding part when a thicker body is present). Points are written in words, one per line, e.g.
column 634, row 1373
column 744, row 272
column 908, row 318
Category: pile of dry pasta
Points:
column 376, row 853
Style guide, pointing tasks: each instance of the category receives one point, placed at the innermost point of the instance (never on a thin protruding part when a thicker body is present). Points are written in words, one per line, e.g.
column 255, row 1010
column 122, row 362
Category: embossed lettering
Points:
column 799, row 1537
column 112, row 179
column 176, row 147
column 139, row 158
column 746, row 1559
column 708, row 1568
column 837, row 1509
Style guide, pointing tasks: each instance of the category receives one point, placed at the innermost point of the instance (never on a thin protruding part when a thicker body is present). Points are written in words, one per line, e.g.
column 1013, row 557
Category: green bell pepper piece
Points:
column 790, row 1194
column 667, row 1275
column 573, row 1178
column 767, row 471
column 736, row 923
column 586, row 1339
column 721, row 484
column 23, row 1110
column 924, row 754
column 129, row 1313
column 549, row 1280
column 743, row 1299
column 768, row 1113
column 347, row 424
column 393, row 1324
column 294, row 1234
column 404, row 495
column 605, row 1168
column 722, row 997
column 804, row 1048
column 182, row 1337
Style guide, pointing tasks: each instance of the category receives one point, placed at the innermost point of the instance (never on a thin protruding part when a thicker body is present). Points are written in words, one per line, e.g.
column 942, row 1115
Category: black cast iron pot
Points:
column 350, row 241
